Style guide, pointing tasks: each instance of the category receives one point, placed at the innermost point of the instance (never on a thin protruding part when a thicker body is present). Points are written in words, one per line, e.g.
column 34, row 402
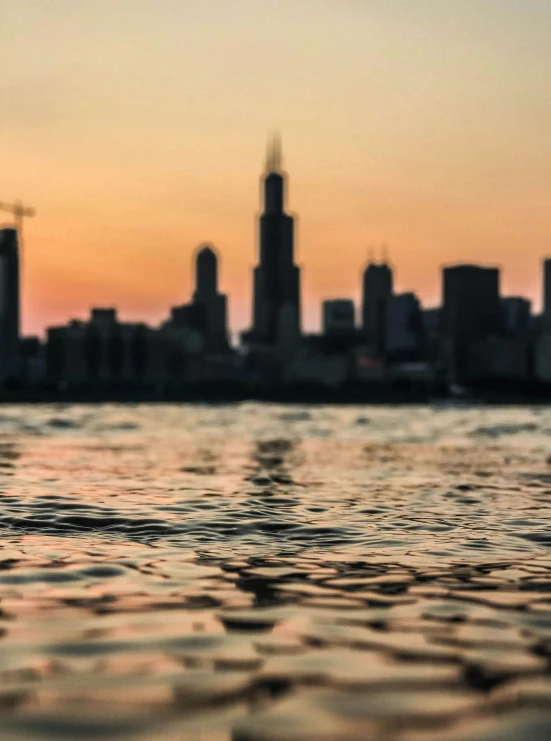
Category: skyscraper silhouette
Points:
column 9, row 304
column 206, row 274
column 376, row 291
column 276, row 303
column 471, row 312
column 211, row 304
column 547, row 291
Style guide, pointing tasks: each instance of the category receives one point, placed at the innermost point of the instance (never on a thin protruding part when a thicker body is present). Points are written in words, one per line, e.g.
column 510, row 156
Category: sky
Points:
column 137, row 130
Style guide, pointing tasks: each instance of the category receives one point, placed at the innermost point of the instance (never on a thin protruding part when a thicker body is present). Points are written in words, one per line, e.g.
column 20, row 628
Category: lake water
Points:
column 275, row 573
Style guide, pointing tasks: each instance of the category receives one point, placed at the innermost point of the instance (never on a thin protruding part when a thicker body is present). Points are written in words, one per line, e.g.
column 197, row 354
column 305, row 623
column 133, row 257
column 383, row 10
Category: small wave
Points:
column 62, row 423
column 505, row 429
column 295, row 417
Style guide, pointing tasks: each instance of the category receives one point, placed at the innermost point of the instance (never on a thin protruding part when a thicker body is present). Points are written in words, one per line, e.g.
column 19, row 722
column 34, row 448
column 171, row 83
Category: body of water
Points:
column 275, row 573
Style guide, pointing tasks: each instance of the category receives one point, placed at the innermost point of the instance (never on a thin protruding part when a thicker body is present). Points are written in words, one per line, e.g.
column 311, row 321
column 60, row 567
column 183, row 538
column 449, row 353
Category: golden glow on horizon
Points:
column 137, row 130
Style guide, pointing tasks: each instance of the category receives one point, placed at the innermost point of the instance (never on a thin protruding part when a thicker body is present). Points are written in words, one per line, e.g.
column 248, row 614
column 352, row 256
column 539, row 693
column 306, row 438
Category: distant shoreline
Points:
column 371, row 395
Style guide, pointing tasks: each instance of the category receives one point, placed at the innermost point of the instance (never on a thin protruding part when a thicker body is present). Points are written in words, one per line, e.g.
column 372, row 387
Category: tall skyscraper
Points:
column 376, row 291
column 276, row 303
column 471, row 312
column 211, row 304
column 9, row 304
column 547, row 291
column 206, row 315
column 206, row 274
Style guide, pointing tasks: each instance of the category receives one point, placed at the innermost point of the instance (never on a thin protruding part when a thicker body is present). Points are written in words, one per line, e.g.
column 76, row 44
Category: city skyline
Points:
column 423, row 127
column 475, row 337
column 273, row 199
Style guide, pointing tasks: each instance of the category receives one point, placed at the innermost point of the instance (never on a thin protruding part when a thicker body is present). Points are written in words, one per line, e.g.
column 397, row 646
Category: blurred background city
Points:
column 478, row 339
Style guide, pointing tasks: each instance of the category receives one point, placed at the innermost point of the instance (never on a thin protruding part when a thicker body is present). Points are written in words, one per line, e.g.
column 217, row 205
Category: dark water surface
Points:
column 267, row 573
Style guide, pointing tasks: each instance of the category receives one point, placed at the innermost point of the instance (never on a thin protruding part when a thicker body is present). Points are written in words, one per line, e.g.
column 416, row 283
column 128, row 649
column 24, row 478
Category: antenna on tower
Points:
column 385, row 253
column 370, row 254
column 274, row 157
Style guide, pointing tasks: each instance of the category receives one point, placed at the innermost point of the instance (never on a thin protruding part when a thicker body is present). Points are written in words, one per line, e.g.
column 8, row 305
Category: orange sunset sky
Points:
column 137, row 129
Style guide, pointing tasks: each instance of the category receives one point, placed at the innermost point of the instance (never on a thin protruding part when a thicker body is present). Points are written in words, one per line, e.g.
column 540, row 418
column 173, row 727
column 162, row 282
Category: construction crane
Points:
column 19, row 212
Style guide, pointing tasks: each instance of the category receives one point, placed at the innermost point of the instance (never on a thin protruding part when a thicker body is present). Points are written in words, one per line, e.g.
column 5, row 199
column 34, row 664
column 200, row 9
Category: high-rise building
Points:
column 100, row 351
column 9, row 304
column 404, row 331
column 517, row 316
column 471, row 311
column 207, row 312
column 206, row 274
column 431, row 319
column 338, row 317
column 547, row 291
column 213, row 303
column 276, row 303
column 376, row 290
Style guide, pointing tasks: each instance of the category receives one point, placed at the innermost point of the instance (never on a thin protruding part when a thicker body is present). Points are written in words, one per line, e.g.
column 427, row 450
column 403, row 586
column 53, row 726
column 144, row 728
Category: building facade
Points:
column 276, row 285
column 9, row 305
column 206, row 314
column 377, row 288
column 471, row 311
column 547, row 291
column 496, row 358
column 338, row 317
column 211, row 303
column 517, row 316
column 99, row 351
column 403, row 328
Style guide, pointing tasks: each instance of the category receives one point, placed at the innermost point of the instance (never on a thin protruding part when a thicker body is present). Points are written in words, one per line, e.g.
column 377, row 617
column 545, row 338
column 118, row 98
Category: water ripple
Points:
column 260, row 573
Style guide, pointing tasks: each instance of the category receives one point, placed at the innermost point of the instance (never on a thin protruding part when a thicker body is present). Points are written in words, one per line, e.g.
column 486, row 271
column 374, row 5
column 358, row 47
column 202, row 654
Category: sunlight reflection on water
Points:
column 265, row 572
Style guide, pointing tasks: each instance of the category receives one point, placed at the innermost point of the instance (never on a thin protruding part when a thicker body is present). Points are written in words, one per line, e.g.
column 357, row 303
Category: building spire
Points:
column 274, row 156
